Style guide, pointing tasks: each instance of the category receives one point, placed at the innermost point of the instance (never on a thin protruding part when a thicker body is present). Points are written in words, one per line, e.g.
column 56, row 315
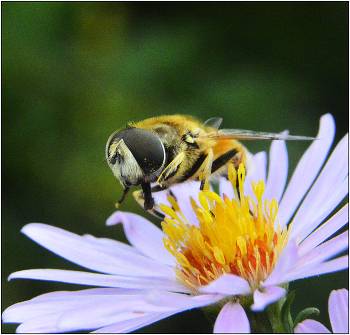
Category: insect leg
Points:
column 171, row 169
column 149, row 201
column 140, row 196
column 140, row 199
column 207, row 165
column 126, row 191
column 158, row 188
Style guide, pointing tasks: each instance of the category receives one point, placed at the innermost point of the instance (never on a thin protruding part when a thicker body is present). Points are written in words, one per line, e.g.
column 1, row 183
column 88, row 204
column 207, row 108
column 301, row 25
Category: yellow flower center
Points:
column 235, row 236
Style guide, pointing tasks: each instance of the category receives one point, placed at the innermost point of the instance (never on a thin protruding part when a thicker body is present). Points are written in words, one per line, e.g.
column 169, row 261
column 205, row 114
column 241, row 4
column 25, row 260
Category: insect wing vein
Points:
column 240, row 134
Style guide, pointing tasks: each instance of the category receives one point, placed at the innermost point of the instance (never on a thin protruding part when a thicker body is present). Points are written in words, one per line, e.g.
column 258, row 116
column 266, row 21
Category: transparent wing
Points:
column 239, row 134
column 214, row 122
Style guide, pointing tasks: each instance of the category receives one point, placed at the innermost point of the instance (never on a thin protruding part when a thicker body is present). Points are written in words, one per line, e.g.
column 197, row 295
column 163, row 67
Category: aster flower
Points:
column 230, row 254
column 338, row 308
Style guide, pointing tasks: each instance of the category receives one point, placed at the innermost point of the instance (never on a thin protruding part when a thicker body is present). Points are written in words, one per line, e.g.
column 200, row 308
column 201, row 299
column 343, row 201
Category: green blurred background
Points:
column 74, row 72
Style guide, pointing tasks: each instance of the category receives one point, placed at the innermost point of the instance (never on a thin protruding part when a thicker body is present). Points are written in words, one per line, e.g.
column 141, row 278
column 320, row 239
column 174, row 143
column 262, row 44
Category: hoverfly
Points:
column 169, row 150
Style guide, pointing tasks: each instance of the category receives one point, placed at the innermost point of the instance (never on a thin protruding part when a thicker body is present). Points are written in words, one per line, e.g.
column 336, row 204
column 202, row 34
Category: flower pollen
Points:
column 235, row 236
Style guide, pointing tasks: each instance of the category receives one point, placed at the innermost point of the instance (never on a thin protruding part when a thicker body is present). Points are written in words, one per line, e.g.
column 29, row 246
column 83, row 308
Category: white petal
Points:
column 227, row 284
column 325, row 231
column 307, row 169
column 269, row 295
column 232, row 319
column 336, row 264
column 311, row 327
column 328, row 190
column 180, row 301
column 278, row 171
column 339, row 311
column 83, row 251
column 144, row 236
column 97, row 279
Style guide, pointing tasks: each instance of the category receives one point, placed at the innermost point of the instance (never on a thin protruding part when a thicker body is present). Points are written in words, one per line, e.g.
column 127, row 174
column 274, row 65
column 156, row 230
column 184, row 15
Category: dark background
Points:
column 74, row 72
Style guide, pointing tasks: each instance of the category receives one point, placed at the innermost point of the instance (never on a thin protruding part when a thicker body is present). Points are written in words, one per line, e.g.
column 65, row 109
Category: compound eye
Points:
column 146, row 147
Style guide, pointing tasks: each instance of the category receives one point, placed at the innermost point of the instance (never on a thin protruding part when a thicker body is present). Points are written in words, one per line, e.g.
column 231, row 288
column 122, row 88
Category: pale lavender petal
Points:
column 324, row 251
column 225, row 187
column 83, row 251
column 260, row 167
column 320, row 213
column 333, row 265
column 110, row 246
column 256, row 173
column 97, row 279
column 88, row 318
column 338, row 306
column 58, row 302
column 27, row 310
column 106, row 312
column 183, row 192
column 269, row 295
column 251, row 163
column 311, row 327
column 144, row 236
column 259, row 173
column 278, row 171
column 161, row 198
column 180, row 301
column 328, row 190
column 232, row 319
column 128, row 326
column 286, row 261
column 43, row 324
column 84, row 312
column 310, row 264
column 327, row 229
column 49, row 324
column 227, row 284
column 307, row 169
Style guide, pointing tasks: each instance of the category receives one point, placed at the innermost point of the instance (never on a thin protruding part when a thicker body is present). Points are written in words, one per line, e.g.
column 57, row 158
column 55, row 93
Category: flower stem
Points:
column 274, row 315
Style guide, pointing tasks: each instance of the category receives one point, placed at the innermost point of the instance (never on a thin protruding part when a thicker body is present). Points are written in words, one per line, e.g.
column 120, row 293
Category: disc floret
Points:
column 239, row 236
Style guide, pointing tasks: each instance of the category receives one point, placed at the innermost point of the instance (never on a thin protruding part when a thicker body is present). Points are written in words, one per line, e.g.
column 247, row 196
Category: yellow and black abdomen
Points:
column 228, row 151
